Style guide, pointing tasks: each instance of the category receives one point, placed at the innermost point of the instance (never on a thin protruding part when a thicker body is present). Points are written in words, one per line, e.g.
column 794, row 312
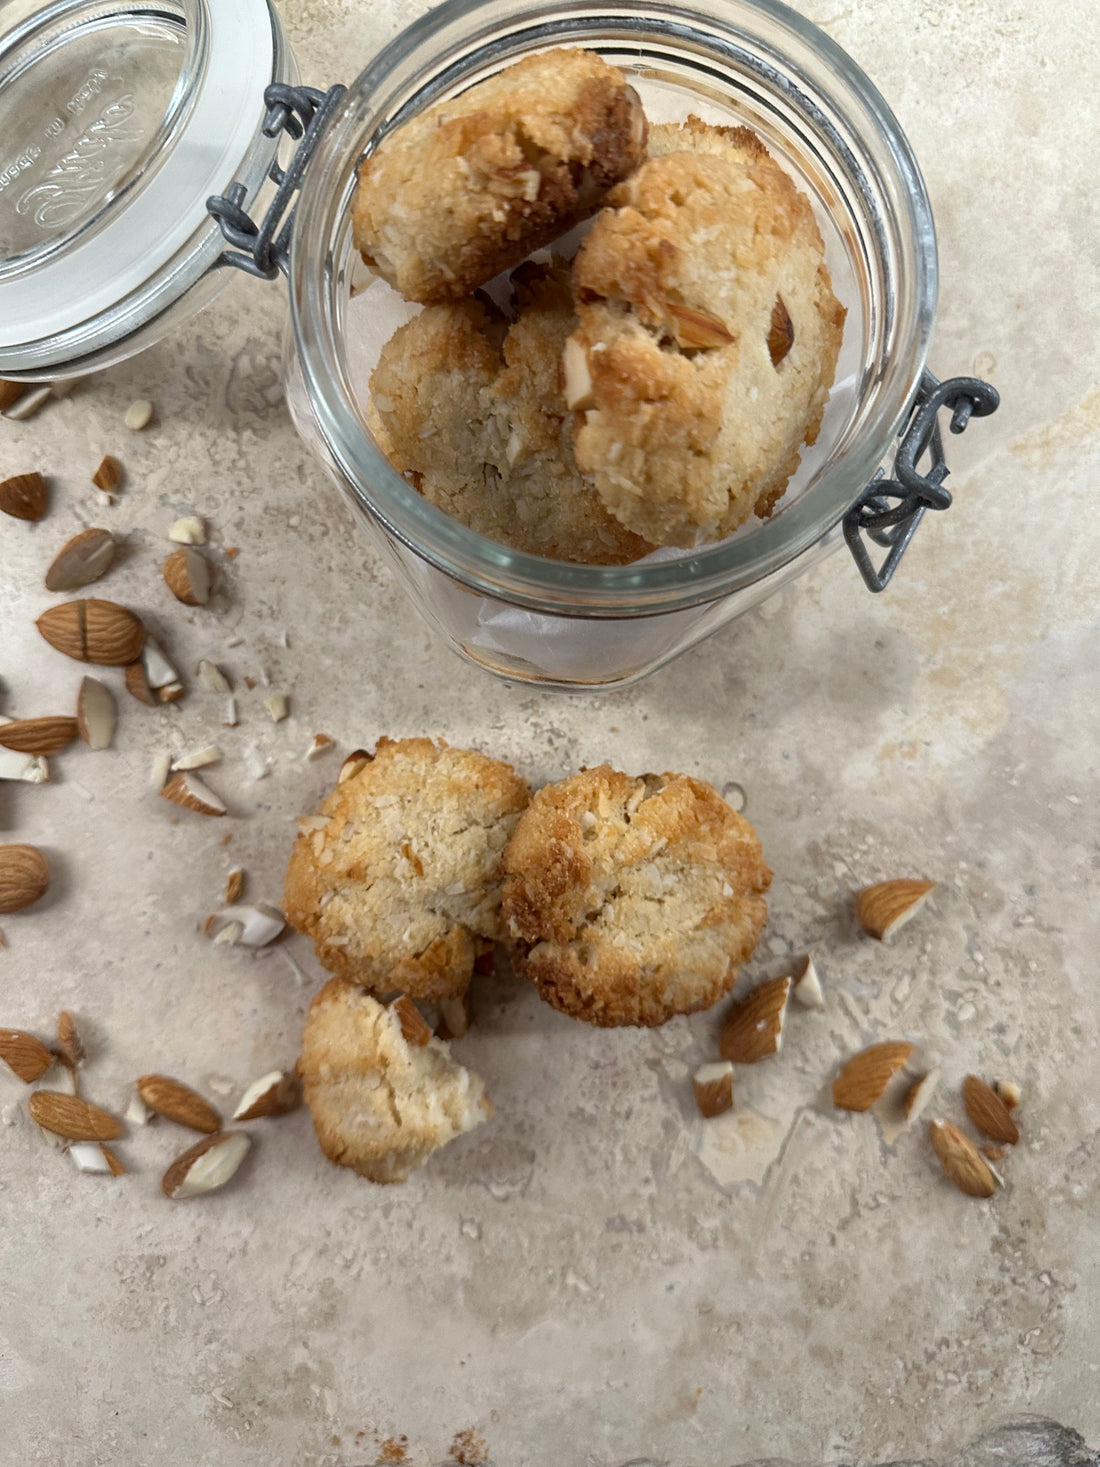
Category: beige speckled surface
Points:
column 592, row 1277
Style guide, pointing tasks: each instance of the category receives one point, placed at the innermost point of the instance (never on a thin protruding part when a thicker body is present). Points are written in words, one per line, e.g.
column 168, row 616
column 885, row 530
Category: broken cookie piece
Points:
column 381, row 1103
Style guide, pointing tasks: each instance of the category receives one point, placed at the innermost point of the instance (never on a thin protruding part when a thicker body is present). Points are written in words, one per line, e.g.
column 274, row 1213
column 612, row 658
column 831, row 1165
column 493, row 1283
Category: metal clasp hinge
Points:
column 264, row 249
column 893, row 525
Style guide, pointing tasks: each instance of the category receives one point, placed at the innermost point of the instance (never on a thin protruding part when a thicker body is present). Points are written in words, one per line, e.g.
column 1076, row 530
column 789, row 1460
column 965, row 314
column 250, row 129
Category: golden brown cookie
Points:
column 708, row 337
column 473, row 184
column 476, row 420
column 381, row 1104
column 631, row 900
column 397, row 878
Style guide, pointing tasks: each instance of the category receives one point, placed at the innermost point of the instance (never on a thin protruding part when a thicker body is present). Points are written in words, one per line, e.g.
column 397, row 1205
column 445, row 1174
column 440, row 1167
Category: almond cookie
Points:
column 381, row 1103
column 476, row 420
column 397, row 878
column 708, row 337
column 473, row 184
column 631, row 900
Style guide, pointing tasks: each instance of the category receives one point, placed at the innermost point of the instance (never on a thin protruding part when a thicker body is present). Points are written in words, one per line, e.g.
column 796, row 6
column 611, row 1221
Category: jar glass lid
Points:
column 118, row 121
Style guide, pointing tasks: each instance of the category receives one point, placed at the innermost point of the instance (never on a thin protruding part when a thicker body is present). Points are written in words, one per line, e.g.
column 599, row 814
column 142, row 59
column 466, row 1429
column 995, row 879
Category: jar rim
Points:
column 423, row 61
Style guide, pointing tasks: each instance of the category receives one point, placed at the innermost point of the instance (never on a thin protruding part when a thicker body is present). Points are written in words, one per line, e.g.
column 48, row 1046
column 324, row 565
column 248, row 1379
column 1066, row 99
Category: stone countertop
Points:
column 596, row 1276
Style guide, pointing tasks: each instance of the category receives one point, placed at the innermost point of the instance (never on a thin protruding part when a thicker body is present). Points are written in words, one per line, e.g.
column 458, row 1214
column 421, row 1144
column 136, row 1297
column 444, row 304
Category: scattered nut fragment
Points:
column 31, row 768
column 276, row 1094
column 454, row 1017
column 187, row 575
column 139, row 415
column 93, row 631
column 25, row 1055
column 259, row 923
column 963, row 1164
column 863, row 1079
column 358, row 759
column 198, row 758
column 414, row 1027
column 277, row 706
column 754, row 1027
column 96, row 713
column 178, row 1102
column 211, row 677
column 920, row 1094
column 137, row 684
column 160, row 674
column 24, row 496
column 807, row 985
column 578, row 389
column 38, row 735
column 137, row 1113
column 321, row 745
column 29, row 403
column 24, row 877
column 234, row 885
column 93, row 1156
column 10, row 392
column 69, row 1042
column 713, row 1086
column 192, row 794
column 80, row 561
column 109, row 475
column 993, row 1153
column 158, row 770
column 206, row 1167
column 230, row 719
column 988, row 1111
column 882, row 909
column 73, row 1118
column 189, row 530
column 1009, row 1092
column 228, row 935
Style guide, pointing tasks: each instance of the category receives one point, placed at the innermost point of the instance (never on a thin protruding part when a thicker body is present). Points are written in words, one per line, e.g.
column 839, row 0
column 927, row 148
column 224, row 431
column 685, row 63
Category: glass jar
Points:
column 730, row 61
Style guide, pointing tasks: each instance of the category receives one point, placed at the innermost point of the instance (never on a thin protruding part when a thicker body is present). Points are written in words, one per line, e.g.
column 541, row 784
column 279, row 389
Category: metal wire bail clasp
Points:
column 264, row 250
column 893, row 525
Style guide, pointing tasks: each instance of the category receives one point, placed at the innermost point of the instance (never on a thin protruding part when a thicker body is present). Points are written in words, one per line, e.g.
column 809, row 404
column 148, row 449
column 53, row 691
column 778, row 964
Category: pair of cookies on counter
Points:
column 658, row 391
column 623, row 900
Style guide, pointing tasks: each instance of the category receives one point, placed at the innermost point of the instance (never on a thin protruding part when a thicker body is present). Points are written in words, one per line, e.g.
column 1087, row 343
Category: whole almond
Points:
column 276, row 1094
column 988, row 1111
column 864, row 1078
column 961, row 1160
column 781, row 332
column 696, row 329
column 413, row 1025
column 96, row 713
column 93, row 631
column 713, row 1087
column 38, row 735
column 24, row 877
column 206, row 1167
column 24, row 496
column 137, row 684
column 883, row 908
column 82, row 560
column 73, row 1118
column 754, row 1028
column 178, row 1102
column 23, row 1053
column 69, row 1041
column 187, row 576
column 108, row 476
column 192, row 794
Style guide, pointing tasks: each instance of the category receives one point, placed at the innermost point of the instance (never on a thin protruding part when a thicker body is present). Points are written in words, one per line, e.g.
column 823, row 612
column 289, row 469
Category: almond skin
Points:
column 93, row 631
column 23, row 1053
column 883, row 908
column 38, row 735
column 864, row 1077
column 961, row 1160
column 988, row 1112
column 781, row 333
column 24, row 877
column 179, row 1103
column 413, row 1025
column 754, row 1027
column 24, row 496
column 73, row 1118
column 208, row 1165
column 82, row 560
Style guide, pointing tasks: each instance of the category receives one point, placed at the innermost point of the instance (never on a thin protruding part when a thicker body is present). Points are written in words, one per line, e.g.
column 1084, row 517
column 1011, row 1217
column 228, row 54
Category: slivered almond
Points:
column 988, row 1111
column 96, row 713
column 713, row 1086
column 82, row 560
column 882, row 909
column 780, row 333
column 920, row 1094
column 754, row 1028
column 961, row 1161
column 178, row 1102
column 413, row 1025
column 864, row 1078
column 27, row 1056
column 73, row 1118
column 206, row 1167
column 697, row 330
column 276, row 1094
column 38, row 735
column 69, row 1042
column 192, row 794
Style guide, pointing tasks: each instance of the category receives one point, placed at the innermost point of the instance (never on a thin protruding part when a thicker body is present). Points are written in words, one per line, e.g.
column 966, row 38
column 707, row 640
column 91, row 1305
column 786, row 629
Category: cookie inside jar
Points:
column 660, row 376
